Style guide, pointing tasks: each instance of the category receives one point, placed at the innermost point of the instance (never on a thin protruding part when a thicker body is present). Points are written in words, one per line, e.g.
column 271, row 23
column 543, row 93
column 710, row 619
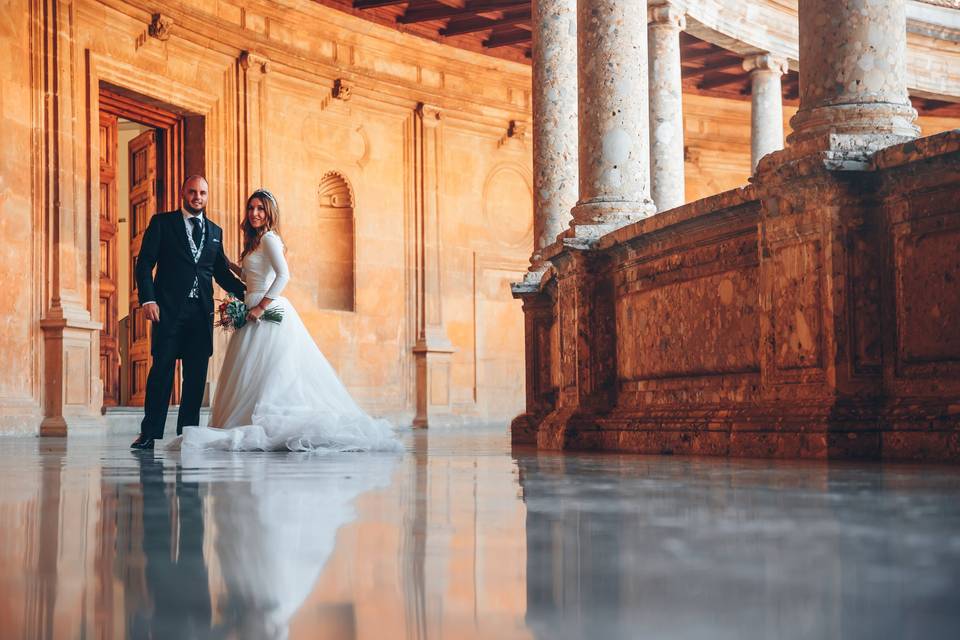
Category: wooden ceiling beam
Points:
column 371, row 4
column 689, row 54
column 507, row 38
column 442, row 11
column 717, row 80
column 722, row 65
column 472, row 25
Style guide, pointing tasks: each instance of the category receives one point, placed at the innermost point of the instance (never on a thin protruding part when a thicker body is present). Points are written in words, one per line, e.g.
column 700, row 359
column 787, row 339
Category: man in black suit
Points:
column 187, row 250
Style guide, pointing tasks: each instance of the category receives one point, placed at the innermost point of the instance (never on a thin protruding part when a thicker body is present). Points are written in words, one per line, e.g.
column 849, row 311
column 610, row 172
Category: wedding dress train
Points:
column 276, row 390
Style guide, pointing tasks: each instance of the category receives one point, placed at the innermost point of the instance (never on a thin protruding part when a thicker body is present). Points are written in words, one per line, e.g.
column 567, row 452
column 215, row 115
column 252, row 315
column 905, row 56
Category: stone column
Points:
column 666, row 22
column 554, row 119
column 766, row 105
column 613, row 150
column 852, row 72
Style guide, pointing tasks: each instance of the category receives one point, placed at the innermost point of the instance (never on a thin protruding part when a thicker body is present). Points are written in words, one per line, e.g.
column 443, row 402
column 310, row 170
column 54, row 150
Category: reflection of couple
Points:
column 276, row 389
column 271, row 533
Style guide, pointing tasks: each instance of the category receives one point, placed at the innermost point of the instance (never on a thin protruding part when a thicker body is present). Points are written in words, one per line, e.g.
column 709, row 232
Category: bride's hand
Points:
column 235, row 267
column 253, row 315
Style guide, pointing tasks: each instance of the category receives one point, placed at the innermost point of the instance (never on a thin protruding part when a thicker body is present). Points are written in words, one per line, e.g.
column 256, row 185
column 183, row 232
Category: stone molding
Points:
column 160, row 26
column 342, row 89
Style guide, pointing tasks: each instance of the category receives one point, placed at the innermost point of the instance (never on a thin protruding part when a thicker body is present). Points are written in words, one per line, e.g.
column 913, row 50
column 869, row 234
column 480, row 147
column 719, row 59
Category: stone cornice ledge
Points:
column 918, row 150
column 699, row 213
column 345, row 33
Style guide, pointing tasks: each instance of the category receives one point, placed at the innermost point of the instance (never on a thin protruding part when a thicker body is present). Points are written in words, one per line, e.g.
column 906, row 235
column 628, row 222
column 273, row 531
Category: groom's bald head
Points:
column 194, row 194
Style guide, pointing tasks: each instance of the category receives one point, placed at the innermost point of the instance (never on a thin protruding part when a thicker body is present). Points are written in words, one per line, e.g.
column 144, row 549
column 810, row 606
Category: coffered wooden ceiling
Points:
column 501, row 28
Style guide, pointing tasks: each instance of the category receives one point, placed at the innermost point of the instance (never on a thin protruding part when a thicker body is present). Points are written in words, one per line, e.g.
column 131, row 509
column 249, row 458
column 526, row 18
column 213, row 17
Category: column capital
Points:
column 766, row 62
column 249, row 60
column 668, row 14
column 429, row 114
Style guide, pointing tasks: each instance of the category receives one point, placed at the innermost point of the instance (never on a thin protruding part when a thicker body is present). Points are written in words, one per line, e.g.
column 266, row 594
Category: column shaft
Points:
column 554, row 118
column 666, row 106
column 766, row 105
column 852, row 70
column 613, row 147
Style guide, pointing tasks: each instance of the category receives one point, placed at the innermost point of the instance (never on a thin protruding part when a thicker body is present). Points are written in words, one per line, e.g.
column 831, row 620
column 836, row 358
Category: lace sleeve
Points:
column 273, row 248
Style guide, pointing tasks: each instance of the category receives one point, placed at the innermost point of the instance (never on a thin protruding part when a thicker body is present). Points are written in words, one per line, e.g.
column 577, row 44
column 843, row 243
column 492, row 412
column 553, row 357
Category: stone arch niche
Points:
column 335, row 243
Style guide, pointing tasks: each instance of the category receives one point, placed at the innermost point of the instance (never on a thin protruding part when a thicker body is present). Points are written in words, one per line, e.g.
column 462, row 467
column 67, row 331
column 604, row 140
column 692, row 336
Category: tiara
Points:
column 264, row 192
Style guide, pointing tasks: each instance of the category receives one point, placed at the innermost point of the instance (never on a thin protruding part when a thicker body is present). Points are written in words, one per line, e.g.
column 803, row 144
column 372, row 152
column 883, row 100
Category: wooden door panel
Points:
column 142, row 152
column 109, row 346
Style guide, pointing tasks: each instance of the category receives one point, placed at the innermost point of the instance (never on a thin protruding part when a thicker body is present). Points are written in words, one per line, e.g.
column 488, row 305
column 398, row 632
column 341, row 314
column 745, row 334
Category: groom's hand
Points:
column 151, row 311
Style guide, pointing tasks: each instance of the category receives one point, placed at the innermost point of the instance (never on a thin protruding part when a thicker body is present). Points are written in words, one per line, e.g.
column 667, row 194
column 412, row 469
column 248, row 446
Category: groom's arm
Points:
column 146, row 261
column 225, row 277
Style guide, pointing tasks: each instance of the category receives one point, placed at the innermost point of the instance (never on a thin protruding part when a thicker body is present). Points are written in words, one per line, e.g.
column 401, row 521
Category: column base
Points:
column 862, row 120
column 73, row 392
column 433, row 382
column 62, row 426
column 593, row 219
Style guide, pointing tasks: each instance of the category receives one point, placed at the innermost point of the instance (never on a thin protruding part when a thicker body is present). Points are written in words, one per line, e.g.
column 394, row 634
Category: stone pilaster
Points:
column 584, row 360
column 253, row 99
column 613, row 119
column 852, row 74
column 666, row 21
column 766, row 105
column 432, row 350
column 72, row 390
column 539, row 329
column 554, row 119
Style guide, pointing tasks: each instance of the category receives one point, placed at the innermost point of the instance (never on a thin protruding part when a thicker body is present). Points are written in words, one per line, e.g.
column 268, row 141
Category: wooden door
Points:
column 143, row 204
column 109, row 345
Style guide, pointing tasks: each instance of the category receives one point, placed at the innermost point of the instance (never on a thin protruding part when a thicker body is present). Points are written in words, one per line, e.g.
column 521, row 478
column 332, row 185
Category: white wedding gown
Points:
column 276, row 390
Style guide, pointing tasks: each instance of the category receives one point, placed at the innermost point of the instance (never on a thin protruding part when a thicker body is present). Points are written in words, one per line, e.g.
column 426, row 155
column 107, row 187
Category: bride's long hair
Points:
column 251, row 236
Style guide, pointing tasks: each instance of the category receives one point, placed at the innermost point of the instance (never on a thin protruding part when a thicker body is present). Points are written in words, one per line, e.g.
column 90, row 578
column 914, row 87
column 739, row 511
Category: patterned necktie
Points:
column 197, row 232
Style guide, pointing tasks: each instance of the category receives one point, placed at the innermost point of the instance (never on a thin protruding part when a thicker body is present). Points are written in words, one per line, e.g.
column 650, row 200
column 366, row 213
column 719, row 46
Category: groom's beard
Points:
column 191, row 210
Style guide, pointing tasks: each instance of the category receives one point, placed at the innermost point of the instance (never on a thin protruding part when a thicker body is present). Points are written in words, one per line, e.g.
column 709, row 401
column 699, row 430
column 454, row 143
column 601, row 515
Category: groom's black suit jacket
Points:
column 165, row 245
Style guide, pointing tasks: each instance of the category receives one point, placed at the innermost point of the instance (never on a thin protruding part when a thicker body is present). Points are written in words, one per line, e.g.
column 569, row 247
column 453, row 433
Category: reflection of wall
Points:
column 450, row 559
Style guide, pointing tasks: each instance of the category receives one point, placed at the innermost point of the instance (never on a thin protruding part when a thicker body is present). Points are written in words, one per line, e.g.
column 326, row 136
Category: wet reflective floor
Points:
column 460, row 537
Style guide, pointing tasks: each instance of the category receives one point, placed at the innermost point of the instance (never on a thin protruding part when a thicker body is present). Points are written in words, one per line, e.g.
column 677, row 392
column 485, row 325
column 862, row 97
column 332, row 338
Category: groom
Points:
column 187, row 250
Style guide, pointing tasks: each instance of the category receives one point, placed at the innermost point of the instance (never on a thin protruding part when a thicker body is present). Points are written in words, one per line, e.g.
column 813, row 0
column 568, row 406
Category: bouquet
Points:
column 233, row 314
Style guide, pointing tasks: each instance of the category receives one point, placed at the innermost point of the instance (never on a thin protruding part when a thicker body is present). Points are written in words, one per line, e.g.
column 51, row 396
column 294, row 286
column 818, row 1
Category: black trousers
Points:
column 186, row 343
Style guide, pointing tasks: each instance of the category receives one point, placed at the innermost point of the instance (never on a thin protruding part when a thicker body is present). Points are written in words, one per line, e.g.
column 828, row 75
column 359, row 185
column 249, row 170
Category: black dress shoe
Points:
column 142, row 442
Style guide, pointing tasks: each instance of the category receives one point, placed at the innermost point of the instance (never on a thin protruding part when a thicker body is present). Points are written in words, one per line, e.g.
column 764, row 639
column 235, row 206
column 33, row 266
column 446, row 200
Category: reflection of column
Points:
column 766, row 105
column 852, row 72
column 613, row 151
column 666, row 106
column 432, row 349
column 554, row 119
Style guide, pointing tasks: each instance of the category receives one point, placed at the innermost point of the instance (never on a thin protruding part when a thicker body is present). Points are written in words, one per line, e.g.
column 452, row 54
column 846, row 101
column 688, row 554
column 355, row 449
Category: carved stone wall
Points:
column 288, row 93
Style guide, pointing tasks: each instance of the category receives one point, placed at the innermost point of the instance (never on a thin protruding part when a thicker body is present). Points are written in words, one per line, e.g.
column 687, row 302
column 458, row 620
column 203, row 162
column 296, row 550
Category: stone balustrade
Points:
column 810, row 314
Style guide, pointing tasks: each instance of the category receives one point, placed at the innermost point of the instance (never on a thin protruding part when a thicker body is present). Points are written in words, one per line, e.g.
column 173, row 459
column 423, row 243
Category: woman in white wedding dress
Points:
column 276, row 390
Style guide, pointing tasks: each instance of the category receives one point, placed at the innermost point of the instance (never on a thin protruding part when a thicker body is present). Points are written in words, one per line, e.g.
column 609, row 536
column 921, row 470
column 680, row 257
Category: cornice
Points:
column 772, row 26
column 349, row 38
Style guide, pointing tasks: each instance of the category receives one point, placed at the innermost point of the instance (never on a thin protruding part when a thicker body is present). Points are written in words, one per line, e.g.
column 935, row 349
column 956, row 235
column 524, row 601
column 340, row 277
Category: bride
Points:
column 276, row 389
